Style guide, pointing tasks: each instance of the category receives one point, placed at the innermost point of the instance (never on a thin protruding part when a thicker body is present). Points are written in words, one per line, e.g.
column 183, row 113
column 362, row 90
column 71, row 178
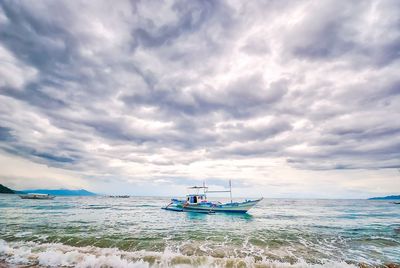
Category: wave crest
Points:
column 55, row 255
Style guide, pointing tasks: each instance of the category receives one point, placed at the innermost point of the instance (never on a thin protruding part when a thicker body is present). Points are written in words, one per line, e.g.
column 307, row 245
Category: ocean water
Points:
column 135, row 232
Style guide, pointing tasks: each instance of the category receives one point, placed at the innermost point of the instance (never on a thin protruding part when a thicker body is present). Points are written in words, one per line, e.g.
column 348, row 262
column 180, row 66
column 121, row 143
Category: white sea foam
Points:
column 22, row 234
column 54, row 255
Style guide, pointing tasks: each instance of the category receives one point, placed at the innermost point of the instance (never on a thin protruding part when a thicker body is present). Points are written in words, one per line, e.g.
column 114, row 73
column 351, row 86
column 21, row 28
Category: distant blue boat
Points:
column 199, row 203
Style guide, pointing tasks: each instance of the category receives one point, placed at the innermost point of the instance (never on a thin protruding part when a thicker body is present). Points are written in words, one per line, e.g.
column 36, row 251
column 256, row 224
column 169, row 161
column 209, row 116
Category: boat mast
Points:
column 230, row 189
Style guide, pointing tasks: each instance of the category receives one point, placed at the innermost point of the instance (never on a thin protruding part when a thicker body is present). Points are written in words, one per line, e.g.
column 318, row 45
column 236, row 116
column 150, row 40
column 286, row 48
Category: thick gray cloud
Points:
column 104, row 89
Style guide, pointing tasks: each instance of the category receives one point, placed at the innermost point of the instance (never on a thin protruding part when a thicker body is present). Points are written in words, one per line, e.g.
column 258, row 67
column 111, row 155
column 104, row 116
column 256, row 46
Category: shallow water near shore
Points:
column 135, row 232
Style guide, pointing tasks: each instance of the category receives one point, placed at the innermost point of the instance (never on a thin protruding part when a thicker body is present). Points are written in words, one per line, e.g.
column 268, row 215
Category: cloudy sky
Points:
column 286, row 98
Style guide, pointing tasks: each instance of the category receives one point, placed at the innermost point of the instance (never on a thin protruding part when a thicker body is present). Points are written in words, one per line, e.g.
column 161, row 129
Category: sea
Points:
column 135, row 232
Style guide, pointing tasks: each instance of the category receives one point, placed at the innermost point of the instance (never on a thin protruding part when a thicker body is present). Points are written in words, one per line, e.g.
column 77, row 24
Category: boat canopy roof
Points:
column 198, row 187
column 195, row 195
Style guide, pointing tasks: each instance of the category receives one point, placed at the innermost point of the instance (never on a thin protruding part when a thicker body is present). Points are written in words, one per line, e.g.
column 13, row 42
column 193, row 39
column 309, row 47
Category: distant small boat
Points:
column 198, row 203
column 395, row 202
column 119, row 196
column 37, row 196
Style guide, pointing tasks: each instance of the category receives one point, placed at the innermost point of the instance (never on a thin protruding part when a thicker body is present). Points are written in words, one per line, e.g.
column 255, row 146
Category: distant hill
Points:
column 5, row 190
column 63, row 192
column 390, row 197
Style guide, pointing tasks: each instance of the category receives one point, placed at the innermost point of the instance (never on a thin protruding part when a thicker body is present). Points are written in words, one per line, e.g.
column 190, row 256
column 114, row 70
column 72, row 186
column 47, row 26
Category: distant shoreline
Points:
column 389, row 197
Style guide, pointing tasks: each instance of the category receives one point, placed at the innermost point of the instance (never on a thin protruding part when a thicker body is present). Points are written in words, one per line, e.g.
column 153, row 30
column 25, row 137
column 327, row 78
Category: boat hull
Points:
column 228, row 207
column 213, row 208
column 37, row 197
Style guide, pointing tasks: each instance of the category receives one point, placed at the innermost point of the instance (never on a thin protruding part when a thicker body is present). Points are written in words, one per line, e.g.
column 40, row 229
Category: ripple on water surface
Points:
column 135, row 231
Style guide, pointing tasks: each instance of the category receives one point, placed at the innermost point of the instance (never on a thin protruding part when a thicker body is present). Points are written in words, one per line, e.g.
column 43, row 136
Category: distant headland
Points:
column 59, row 192
column 6, row 190
column 389, row 197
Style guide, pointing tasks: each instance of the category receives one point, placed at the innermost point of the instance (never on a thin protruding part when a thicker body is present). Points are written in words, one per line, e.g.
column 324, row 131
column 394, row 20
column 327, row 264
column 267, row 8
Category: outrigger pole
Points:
column 207, row 191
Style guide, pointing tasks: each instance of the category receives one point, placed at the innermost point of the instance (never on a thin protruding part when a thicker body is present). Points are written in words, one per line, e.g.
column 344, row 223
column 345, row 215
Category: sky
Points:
column 285, row 98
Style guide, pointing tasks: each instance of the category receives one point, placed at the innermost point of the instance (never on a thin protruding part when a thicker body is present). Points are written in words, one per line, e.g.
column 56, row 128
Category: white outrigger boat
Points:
column 37, row 196
column 198, row 203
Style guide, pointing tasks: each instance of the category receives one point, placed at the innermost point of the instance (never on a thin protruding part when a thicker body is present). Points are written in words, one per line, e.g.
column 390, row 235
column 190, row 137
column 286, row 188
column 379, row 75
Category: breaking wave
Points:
column 18, row 254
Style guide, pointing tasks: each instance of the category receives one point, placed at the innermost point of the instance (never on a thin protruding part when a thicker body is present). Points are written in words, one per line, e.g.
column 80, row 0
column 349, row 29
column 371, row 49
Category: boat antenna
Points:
column 230, row 189
column 204, row 187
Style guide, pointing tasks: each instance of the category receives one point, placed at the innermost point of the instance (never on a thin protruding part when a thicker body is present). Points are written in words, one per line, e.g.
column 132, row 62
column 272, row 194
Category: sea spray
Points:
column 55, row 255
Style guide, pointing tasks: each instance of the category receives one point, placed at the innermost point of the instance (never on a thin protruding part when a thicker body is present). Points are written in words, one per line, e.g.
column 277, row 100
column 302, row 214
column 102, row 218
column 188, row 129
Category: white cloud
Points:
column 120, row 94
column 14, row 73
column 19, row 173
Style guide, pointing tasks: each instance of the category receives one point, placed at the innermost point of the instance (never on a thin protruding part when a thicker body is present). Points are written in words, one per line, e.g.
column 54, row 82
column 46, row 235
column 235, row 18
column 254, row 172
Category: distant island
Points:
column 61, row 192
column 390, row 197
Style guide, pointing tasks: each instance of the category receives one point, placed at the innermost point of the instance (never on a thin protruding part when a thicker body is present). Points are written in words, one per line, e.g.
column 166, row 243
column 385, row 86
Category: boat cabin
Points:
column 196, row 198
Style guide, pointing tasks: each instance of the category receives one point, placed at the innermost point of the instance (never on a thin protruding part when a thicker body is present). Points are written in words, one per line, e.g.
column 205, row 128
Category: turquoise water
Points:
column 135, row 232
